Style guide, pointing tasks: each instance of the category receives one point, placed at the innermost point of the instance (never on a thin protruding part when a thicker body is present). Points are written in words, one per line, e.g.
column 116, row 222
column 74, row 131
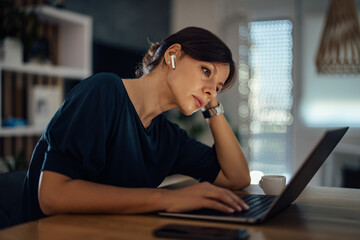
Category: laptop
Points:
column 263, row 207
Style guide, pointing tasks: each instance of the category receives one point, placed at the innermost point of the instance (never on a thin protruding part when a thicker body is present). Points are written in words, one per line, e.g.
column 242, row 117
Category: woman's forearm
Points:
column 230, row 155
column 61, row 194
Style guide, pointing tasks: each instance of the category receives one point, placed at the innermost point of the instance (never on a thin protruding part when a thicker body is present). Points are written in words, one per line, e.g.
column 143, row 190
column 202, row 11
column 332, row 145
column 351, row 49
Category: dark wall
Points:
column 126, row 23
column 119, row 60
column 122, row 29
column 109, row 58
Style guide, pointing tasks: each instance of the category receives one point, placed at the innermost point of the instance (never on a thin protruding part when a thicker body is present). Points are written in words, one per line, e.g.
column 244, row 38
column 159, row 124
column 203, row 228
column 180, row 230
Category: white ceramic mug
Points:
column 272, row 184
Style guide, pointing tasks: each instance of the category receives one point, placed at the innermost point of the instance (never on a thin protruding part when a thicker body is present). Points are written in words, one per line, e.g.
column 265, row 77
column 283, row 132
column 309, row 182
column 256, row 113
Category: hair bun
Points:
column 147, row 59
column 153, row 47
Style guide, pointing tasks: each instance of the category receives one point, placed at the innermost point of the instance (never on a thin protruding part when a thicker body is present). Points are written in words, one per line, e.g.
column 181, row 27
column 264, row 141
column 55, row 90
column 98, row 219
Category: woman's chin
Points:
column 189, row 112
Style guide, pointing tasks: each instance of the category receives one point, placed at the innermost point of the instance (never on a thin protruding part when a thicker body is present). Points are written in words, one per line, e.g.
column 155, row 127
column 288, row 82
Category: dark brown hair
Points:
column 198, row 43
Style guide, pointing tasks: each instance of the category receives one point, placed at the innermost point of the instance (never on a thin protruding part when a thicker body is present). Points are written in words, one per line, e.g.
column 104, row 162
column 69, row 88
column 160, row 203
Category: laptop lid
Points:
column 296, row 185
column 307, row 170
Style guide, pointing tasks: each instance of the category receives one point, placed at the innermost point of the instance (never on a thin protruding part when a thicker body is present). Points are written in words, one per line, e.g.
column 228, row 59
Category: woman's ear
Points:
column 173, row 50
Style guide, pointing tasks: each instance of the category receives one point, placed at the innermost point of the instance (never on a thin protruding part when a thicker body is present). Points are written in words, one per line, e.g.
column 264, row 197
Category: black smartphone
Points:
column 200, row 232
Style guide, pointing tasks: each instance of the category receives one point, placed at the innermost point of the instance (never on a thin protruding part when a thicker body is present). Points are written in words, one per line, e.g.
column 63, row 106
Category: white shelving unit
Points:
column 21, row 131
column 75, row 38
column 75, row 57
column 48, row 70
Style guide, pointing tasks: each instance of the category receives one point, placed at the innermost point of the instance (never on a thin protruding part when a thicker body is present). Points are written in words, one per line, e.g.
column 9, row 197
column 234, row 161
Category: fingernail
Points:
column 238, row 208
column 231, row 210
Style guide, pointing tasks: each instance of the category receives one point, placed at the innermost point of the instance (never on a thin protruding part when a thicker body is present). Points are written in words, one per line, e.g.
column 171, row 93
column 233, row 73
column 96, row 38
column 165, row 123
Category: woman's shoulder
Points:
column 104, row 78
column 98, row 86
column 100, row 82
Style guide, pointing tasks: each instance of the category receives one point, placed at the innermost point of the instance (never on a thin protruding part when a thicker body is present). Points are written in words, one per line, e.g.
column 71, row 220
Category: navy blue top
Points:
column 97, row 135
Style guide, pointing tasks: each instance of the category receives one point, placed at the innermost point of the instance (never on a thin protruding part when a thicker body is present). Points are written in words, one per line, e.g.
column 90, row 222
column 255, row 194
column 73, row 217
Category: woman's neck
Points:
column 150, row 95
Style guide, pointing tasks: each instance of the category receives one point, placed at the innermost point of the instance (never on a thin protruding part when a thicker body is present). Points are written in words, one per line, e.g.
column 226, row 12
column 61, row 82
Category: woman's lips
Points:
column 198, row 101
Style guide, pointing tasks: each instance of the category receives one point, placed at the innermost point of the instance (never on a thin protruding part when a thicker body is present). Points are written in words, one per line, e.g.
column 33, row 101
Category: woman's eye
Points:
column 217, row 89
column 206, row 71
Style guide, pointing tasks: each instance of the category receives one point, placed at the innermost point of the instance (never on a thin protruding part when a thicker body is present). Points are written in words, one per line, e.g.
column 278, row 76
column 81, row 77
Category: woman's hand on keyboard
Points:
column 203, row 195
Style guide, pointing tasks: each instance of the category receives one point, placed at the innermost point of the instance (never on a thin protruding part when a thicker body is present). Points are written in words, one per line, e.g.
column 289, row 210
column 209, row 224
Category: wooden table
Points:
column 319, row 213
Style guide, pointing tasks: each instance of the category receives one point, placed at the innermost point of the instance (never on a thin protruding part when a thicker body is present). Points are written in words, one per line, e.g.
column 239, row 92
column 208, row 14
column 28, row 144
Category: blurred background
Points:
column 298, row 71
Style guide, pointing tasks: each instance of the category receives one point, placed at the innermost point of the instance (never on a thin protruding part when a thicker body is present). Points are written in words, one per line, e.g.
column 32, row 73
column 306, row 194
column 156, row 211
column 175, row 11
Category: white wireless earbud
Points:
column 173, row 61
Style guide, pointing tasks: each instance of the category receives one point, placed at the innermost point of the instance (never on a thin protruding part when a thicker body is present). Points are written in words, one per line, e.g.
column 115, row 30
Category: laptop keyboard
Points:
column 257, row 203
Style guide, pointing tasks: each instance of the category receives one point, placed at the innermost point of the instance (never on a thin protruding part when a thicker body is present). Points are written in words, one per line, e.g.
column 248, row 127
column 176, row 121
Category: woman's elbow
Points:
column 241, row 183
column 246, row 182
column 47, row 202
column 50, row 192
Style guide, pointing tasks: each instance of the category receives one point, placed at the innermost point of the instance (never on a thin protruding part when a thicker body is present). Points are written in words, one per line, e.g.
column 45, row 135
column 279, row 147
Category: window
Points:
column 269, row 99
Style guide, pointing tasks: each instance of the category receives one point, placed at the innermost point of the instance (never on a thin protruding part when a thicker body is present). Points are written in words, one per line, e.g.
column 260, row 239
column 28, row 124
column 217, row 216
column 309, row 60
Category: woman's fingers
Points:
column 216, row 205
column 204, row 195
column 242, row 204
column 230, row 199
column 238, row 201
column 222, row 195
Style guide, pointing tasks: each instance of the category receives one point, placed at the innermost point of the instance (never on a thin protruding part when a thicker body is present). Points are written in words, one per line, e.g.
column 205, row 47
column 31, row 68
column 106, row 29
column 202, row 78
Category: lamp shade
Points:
column 339, row 49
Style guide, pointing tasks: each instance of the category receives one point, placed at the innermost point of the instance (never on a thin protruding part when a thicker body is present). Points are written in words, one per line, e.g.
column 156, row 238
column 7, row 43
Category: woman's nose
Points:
column 210, row 92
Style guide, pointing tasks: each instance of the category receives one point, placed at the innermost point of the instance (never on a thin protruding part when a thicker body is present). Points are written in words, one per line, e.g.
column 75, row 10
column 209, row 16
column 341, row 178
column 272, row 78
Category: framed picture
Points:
column 43, row 103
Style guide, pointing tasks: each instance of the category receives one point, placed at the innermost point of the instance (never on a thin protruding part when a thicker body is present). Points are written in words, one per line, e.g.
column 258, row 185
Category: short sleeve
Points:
column 78, row 134
column 196, row 160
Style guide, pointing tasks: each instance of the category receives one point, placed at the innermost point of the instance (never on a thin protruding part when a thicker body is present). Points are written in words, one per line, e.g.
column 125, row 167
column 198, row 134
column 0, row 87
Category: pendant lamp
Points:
column 339, row 49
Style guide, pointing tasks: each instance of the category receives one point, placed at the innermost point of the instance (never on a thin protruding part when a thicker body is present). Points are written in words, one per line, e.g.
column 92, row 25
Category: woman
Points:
column 108, row 146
